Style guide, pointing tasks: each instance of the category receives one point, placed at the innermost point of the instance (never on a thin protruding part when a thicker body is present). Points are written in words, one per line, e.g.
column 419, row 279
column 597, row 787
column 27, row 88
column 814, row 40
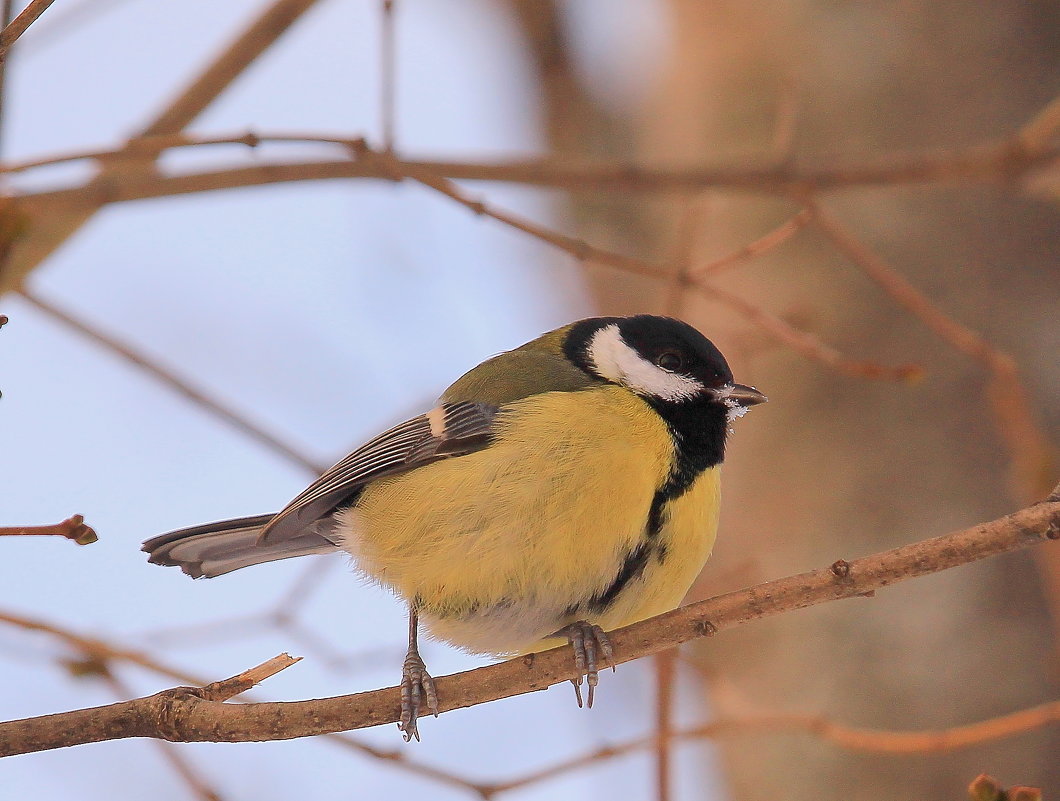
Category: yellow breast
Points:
column 501, row 547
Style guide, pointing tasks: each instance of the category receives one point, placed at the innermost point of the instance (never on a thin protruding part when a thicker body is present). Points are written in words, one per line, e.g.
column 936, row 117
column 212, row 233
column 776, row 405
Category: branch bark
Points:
column 20, row 24
column 186, row 715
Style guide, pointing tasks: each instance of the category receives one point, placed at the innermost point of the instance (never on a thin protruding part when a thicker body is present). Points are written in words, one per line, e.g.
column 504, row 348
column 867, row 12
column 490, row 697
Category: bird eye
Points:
column 670, row 361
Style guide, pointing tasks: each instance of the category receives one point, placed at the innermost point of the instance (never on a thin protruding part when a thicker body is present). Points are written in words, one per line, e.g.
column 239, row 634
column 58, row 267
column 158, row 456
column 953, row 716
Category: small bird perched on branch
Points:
column 561, row 489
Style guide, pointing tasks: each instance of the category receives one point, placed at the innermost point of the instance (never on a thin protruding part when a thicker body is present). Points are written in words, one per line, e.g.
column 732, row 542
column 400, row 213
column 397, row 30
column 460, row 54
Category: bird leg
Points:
column 417, row 685
column 587, row 640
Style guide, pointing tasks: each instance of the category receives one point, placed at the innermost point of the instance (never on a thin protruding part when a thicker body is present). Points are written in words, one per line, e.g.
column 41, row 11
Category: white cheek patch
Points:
column 616, row 361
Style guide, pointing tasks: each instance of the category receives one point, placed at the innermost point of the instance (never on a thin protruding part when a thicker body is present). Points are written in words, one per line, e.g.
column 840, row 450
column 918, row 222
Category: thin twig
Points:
column 752, row 250
column 989, row 163
column 231, row 687
column 19, row 25
column 684, row 255
column 580, row 249
column 387, row 84
column 6, row 11
column 1032, row 456
column 73, row 528
column 55, row 226
column 801, row 341
column 849, row 738
column 182, row 715
column 665, row 675
column 807, row 344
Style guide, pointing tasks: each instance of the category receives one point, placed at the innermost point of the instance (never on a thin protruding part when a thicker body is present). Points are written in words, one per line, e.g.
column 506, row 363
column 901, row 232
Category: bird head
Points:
column 665, row 361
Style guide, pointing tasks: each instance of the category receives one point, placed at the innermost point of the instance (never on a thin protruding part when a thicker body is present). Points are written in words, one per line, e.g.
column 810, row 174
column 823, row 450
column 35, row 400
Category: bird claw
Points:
column 588, row 641
column 417, row 686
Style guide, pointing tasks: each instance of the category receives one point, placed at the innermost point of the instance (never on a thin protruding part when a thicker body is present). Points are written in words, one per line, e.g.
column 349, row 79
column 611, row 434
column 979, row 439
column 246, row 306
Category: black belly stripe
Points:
column 683, row 474
column 632, row 568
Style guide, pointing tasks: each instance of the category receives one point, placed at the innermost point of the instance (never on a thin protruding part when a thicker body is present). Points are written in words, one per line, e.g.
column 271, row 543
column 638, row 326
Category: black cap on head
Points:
column 669, row 344
column 676, row 346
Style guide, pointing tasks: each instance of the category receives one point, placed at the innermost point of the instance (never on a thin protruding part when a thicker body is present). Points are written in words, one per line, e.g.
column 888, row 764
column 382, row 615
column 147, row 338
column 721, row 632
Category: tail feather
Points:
column 217, row 548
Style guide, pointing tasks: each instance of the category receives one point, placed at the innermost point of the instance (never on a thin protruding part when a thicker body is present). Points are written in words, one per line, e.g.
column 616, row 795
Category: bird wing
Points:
column 450, row 429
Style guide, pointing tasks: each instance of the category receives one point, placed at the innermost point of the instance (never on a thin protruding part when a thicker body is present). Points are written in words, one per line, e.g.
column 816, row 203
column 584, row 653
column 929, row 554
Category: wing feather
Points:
column 451, row 429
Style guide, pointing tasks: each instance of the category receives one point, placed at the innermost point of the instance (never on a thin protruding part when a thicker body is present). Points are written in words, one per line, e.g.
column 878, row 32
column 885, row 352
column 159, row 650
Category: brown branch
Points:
column 802, row 342
column 684, row 254
column 58, row 213
column 175, row 383
column 807, row 344
column 20, row 24
column 849, row 738
column 396, row 170
column 370, row 163
column 768, row 241
column 241, row 682
column 665, row 676
column 170, row 752
column 96, row 650
column 182, row 714
column 993, row 163
column 1030, row 452
column 73, row 528
column 100, row 654
column 53, row 226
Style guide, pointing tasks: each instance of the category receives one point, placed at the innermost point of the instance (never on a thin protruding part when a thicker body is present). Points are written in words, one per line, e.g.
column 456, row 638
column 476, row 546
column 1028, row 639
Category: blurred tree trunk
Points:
column 836, row 467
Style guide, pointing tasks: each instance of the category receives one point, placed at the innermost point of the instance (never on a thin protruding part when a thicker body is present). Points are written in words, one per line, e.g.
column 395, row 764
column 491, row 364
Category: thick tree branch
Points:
column 183, row 714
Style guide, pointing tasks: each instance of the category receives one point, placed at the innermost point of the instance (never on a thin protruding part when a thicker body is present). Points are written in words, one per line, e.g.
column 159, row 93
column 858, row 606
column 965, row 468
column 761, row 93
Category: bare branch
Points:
column 982, row 164
column 182, row 714
column 73, row 528
column 241, row 682
column 1031, row 454
column 765, row 243
column 171, row 753
column 849, row 738
column 20, row 24
column 49, row 230
column 99, row 654
column 807, row 344
column 665, row 676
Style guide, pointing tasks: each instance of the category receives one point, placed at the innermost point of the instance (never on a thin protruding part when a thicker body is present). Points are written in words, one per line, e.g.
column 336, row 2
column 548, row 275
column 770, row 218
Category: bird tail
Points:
column 217, row 548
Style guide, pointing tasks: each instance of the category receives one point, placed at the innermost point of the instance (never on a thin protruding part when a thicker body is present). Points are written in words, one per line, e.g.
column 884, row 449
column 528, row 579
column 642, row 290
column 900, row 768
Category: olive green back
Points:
column 536, row 367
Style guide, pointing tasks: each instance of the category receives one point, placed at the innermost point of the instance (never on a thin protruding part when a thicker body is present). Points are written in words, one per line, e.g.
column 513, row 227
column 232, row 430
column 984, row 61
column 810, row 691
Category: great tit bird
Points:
column 559, row 490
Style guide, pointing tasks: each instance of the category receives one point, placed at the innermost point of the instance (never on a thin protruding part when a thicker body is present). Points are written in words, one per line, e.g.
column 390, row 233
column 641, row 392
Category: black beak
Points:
column 742, row 394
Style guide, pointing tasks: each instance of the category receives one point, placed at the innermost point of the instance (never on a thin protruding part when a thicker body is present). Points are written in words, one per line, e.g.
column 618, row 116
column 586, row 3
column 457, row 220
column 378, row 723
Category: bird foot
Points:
column 588, row 641
column 417, row 687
